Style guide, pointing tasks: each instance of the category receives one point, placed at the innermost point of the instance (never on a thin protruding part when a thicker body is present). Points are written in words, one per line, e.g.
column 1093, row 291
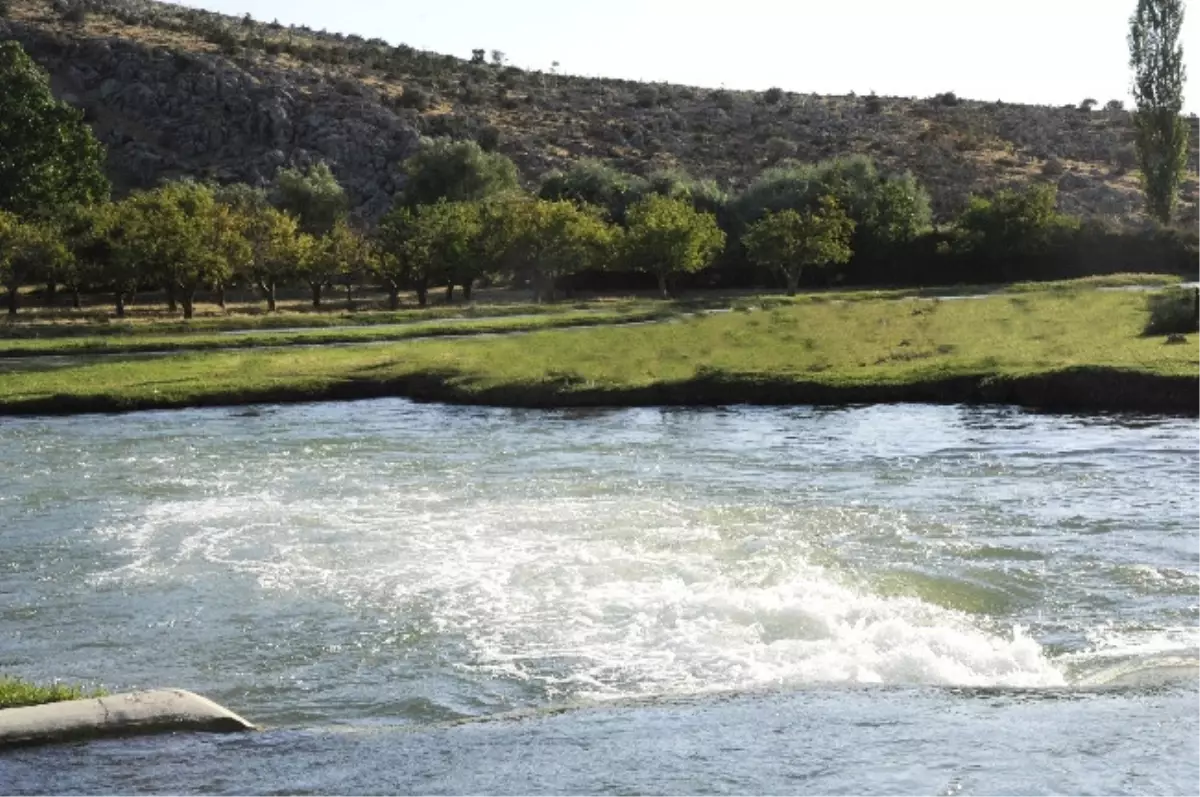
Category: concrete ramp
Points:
column 130, row 714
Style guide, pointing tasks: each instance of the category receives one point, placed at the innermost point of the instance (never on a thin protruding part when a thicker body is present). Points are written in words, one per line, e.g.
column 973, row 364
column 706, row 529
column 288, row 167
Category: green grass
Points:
column 15, row 692
column 870, row 342
column 141, row 343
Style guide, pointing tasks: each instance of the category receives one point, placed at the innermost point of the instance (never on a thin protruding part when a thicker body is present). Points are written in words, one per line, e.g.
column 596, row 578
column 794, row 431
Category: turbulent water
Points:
column 868, row 600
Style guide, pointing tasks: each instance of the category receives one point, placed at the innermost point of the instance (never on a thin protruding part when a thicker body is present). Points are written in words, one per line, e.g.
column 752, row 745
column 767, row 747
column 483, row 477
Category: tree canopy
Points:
column 48, row 156
column 787, row 241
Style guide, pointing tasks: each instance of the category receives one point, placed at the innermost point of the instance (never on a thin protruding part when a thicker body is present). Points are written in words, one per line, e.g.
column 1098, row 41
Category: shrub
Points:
column 1124, row 158
column 1172, row 311
column 723, row 99
column 773, row 95
column 947, row 98
column 4, row 8
column 489, row 138
column 416, row 98
column 872, row 103
column 647, row 96
column 1115, row 105
column 1087, row 105
column 75, row 13
column 1053, row 167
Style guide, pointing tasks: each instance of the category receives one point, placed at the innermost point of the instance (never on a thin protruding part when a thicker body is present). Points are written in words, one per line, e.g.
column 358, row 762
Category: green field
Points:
column 810, row 350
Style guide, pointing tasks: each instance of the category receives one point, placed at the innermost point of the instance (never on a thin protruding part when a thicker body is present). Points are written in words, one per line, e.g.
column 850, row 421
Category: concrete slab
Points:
column 130, row 714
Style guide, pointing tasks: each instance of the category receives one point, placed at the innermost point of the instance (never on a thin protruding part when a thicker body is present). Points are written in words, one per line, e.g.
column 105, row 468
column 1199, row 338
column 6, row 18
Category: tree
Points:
column 1013, row 226
column 344, row 255
column 553, row 239
column 314, row 197
column 84, row 233
column 29, row 251
column 788, row 241
column 593, row 182
column 181, row 235
column 1156, row 57
column 888, row 210
column 393, row 265
column 48, row 155
column 273, row 238
column 456, row 171
column 667, row 236
column 441, row 247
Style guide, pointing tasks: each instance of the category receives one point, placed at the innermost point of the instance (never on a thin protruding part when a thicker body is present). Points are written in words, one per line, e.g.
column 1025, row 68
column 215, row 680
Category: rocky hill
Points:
column 175, row 91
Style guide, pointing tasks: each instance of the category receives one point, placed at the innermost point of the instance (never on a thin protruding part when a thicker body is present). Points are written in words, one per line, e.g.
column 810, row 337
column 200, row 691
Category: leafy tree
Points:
column 1156, row 57
column 314, row 197
column 273, row 238
column 888, row 210
column 48, row 156
column 667, row 236
column 179, row 234
column 29, row 251
column 442, row 245
column 553, row 239
column 393, row 266
column 593, row 182
column 788, row 241
column 84, row 233
column 347, row 254
column 1013, row 226
column 456, row 171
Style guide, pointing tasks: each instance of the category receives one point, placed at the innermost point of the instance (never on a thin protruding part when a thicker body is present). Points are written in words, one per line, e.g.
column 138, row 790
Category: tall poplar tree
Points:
column 1156, row 57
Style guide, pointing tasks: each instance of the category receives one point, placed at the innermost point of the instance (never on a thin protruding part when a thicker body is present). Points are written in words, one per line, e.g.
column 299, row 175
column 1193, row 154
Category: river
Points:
column 417, row 598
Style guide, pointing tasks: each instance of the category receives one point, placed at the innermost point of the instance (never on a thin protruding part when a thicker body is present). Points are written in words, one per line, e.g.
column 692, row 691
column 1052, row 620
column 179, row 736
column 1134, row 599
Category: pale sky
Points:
column 1031, row 51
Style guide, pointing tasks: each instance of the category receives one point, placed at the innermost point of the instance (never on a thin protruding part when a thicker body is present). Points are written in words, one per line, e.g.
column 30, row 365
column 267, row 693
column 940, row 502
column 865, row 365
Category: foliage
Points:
column 456, row 171
column 182, row 236
column 314, row 197
column 593, row 182
column 887, row 210
column 551, row 239
column 29, row 251
column 1014, row 225
column 1173, row 311
column 666, row 236
column 773, row 95
column 1156, row 57
column 276, row 249
column 787, row 241
column 16, row 692
column 48, row 156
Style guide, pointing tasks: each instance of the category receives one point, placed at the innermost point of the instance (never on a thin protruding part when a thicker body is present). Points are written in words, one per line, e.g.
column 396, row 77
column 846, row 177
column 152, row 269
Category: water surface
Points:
column 420, row 598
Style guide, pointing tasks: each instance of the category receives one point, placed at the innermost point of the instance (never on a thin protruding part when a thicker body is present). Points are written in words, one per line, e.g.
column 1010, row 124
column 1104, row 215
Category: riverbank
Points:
column 1081, row 351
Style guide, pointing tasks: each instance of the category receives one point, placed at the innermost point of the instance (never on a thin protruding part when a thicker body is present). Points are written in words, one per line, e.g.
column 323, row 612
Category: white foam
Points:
column 593, row 596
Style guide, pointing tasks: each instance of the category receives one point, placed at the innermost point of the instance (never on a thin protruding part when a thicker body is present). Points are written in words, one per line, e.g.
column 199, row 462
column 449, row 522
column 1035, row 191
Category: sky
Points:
column 1049, row 52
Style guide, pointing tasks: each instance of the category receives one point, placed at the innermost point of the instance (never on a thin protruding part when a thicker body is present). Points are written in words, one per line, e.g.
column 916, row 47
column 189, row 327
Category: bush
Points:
column 75, row 13
column 647, row 97
column 1087, row 105
column 416, row 98
column 773, row 95
column 723, row 99
column 1053, row 167
column 1115, row 105
column 1172, row 311
column 947, row 98
column 873, row 104
column 1124, row 158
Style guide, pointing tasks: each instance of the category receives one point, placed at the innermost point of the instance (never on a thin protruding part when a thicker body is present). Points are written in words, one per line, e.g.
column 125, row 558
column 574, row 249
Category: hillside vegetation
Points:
column 173, row 91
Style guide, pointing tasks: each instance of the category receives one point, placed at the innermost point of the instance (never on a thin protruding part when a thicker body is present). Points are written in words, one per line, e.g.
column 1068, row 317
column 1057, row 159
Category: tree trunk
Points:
column 120, row 304
column 422, row 295
column 466, row 286
column 268, row 289
column 172, row 305
column 662, row 286
column 188, row 302
column 793, row 280
column 350, row 296
column 51, row 293
column 449, row 293
column 393, row 297
column 12, row 299
column 221, row 296
column 75, row 301
column 316, row 294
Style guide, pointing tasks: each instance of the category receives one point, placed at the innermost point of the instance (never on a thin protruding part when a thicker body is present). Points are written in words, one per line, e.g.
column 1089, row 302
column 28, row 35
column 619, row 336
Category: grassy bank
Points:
column 143, row 343
column 1079, row 350
column 16, row 692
